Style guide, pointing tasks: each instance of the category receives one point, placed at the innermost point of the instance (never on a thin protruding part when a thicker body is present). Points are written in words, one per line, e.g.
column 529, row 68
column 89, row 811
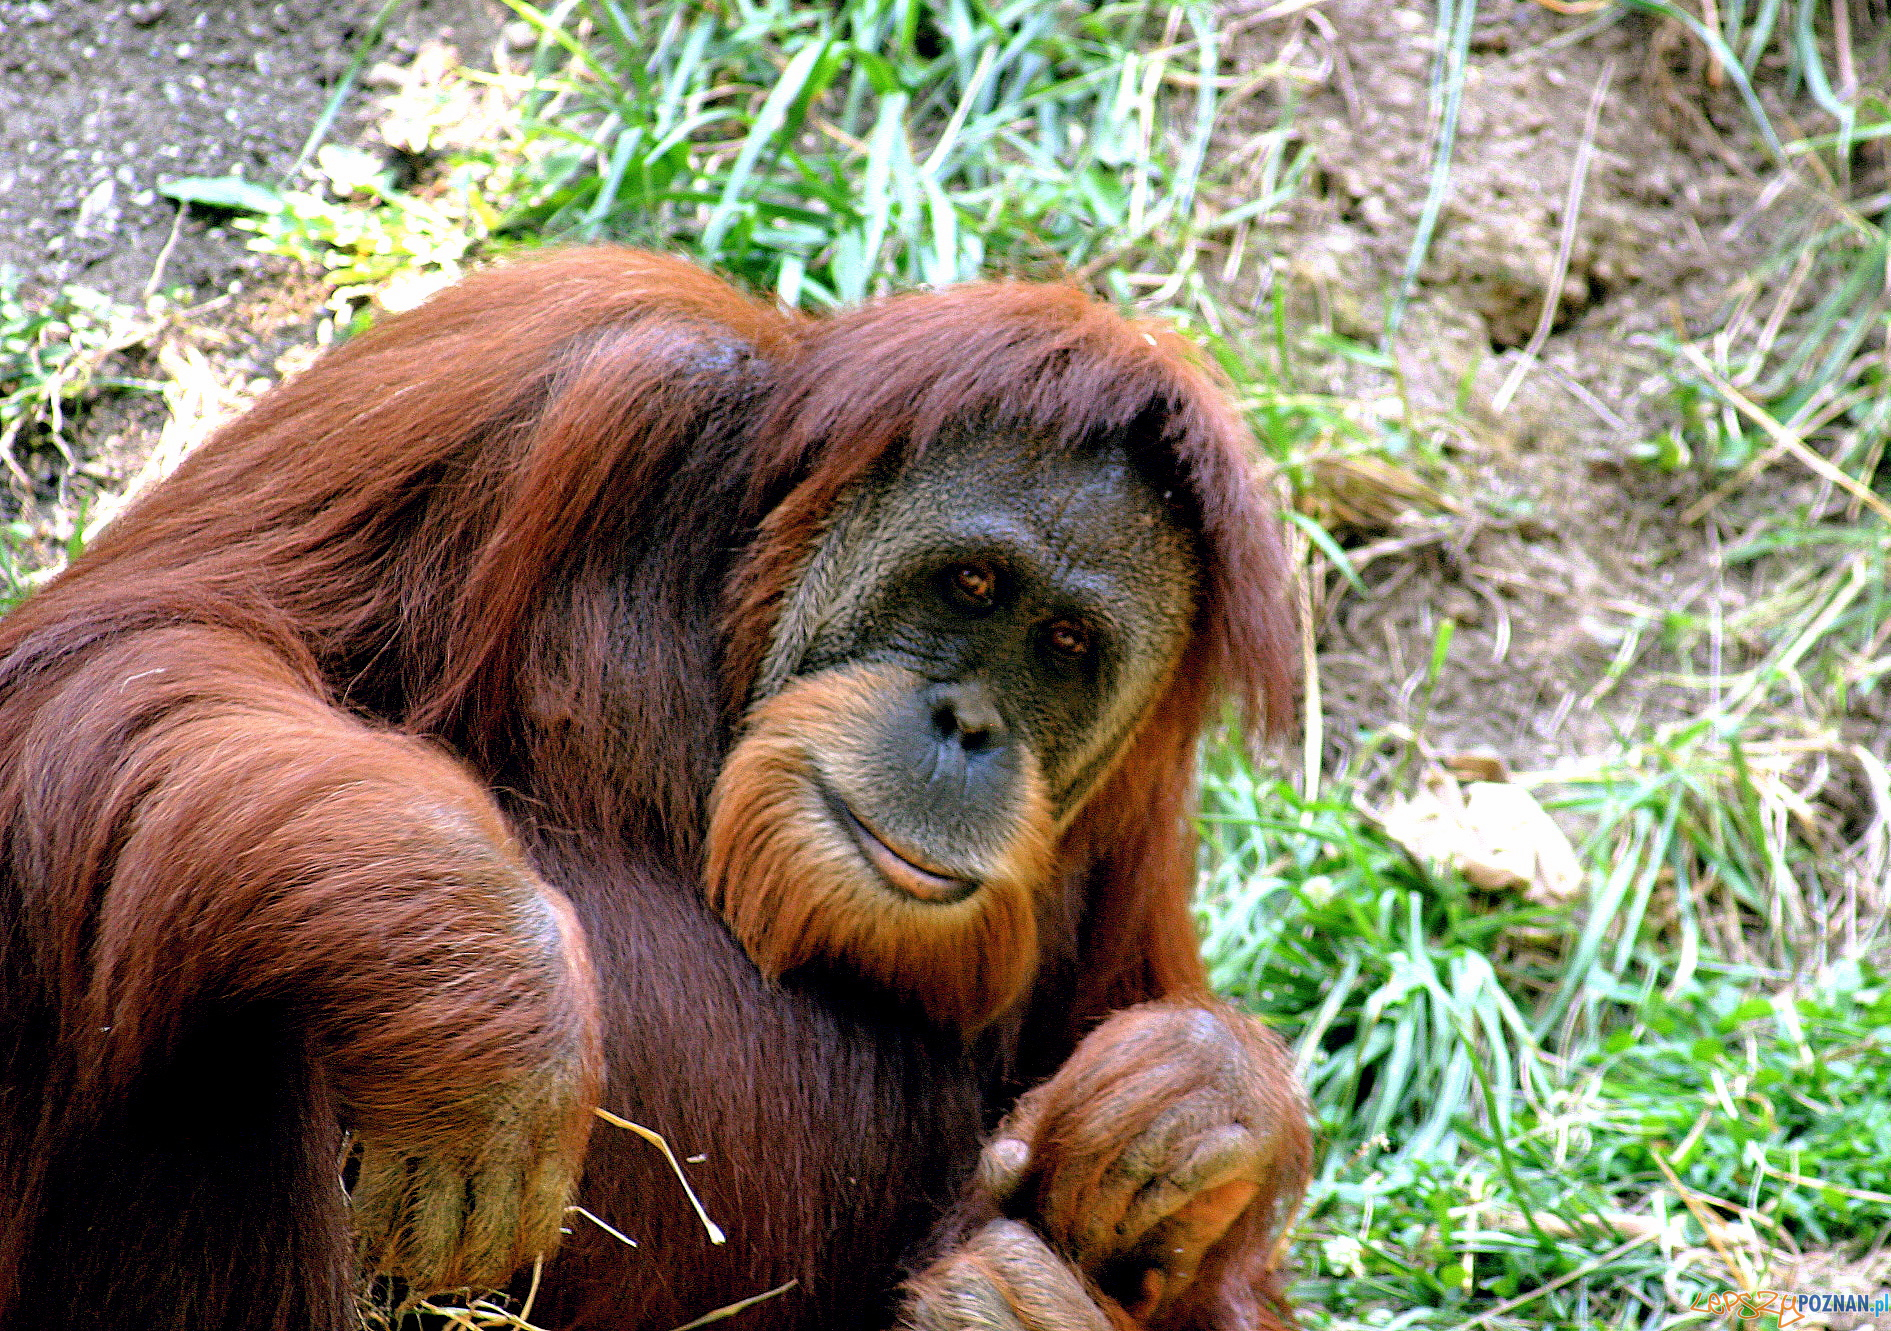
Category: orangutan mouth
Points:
column 900, row 871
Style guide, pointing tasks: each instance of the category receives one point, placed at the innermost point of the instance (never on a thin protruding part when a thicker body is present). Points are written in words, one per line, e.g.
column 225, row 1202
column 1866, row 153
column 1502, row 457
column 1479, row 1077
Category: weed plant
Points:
column 821, row 154
column 55, row 355
column 52, row 353
column 825, row 154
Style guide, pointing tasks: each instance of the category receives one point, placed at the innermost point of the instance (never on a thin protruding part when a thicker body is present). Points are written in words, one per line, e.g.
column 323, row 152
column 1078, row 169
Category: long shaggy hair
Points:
column 527, row 545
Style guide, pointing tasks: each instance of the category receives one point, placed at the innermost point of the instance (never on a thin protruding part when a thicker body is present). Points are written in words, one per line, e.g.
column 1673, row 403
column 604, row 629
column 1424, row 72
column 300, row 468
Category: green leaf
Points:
column 1327, row 546
column 231, row 192
column 1751, row 1010
column 773, row 115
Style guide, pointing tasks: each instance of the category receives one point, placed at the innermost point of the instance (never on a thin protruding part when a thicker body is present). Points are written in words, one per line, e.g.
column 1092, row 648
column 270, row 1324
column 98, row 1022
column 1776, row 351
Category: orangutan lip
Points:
column 901, row 873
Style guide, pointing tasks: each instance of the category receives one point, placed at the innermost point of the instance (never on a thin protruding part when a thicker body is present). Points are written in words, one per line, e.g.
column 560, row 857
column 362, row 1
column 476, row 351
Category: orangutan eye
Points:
column 1069, row 639
column 971, row 586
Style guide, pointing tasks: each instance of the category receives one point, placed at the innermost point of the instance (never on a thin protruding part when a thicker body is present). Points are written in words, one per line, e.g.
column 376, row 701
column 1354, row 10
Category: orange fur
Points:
column 796, row 891
column 324, row 770
column 1100, row 1155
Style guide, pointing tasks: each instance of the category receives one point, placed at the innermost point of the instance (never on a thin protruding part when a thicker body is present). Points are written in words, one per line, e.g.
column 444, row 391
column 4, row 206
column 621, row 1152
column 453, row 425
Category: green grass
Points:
column 821, row 154
column 1494, row 1124
column 56, row 358
column 827, row 153
column 16, row 564
column 52, row 353
column 1604, row 1114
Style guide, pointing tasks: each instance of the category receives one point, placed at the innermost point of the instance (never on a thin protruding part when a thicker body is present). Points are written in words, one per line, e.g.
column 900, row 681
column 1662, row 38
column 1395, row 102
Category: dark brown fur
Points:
column 302, row 761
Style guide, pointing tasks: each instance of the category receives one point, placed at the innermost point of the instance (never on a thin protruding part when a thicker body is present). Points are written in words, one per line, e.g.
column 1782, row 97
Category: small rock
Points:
column 145, row 12
column 97, row 202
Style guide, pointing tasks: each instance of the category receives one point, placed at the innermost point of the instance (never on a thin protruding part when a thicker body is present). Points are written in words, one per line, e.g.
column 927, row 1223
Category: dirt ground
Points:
column 1555, row 546
column 1561, row 560
column 101, row 102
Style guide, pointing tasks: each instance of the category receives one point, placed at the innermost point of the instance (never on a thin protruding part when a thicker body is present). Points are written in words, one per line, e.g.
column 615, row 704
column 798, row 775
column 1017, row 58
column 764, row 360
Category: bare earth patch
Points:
column 100, row 104
column 1586, row 606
